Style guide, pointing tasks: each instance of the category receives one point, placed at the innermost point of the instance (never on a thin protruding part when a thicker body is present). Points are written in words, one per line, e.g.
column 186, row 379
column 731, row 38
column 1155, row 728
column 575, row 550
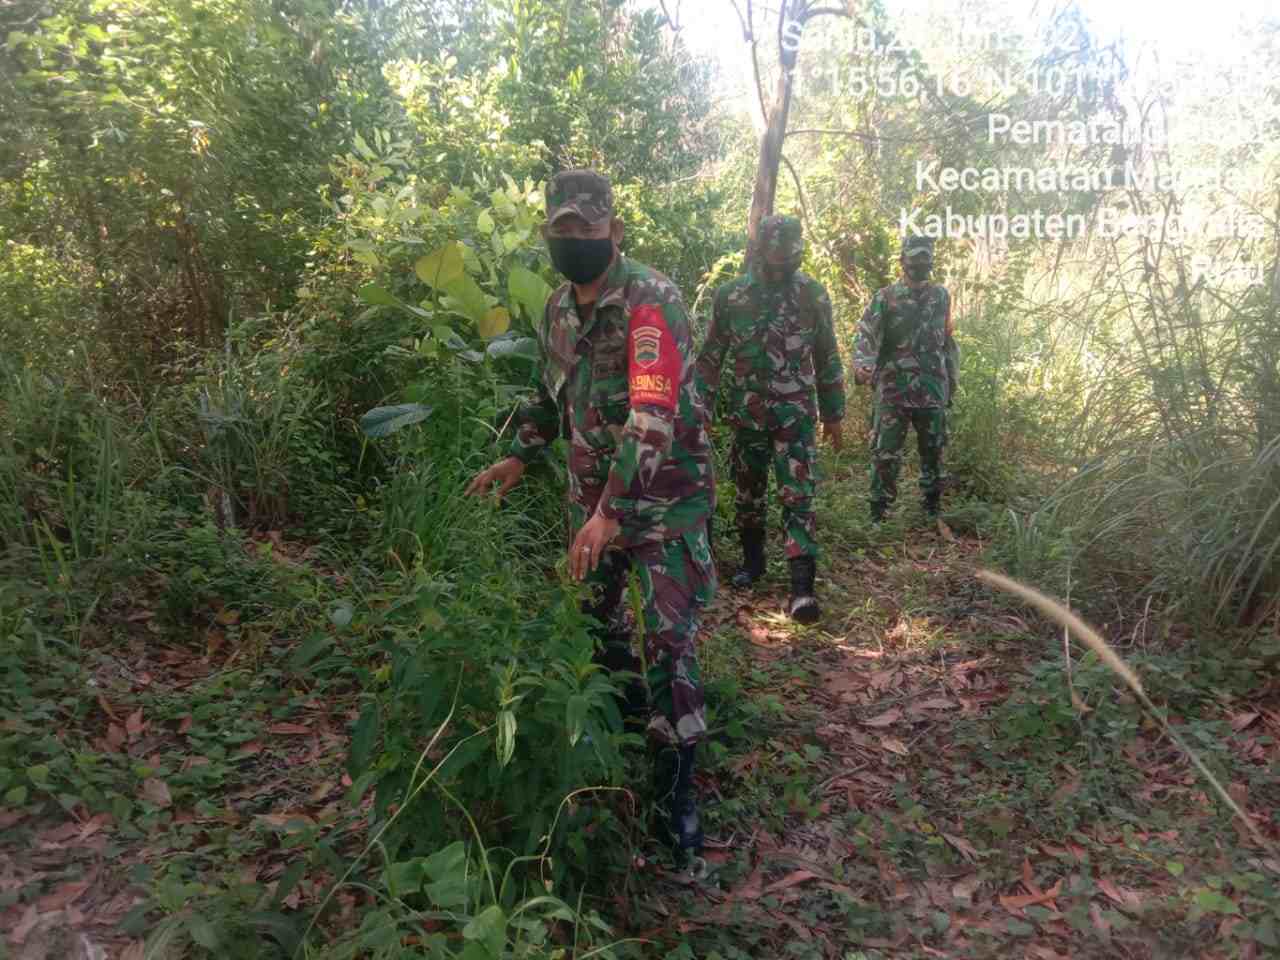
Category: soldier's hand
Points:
column 589, row 545
column 506, row 473
column 861, row 376
column 834, row 433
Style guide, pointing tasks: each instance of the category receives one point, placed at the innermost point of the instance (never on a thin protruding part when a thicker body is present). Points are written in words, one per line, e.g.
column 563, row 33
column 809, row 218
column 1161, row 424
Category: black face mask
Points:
column 918, row 271
column 580, row 259
column 779, row 272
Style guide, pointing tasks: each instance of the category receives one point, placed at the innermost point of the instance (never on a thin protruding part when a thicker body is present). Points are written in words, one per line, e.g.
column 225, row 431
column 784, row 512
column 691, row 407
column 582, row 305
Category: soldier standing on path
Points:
column 905, row 345
column 615, row 376
column 775, row 323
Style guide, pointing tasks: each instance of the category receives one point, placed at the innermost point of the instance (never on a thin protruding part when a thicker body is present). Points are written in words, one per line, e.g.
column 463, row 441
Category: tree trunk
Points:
column 775, row 132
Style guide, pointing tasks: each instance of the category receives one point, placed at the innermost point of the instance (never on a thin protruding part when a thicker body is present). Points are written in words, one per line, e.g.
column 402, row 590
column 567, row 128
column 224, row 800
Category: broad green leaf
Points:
column 468, row 299
column 484, row 222
column 441, row 266
column 447, row 861
column 384, row 421
column 39, row 774
column 506, row 744
column 495, row 322
column 513, row 348
column 368, row 258
column 575, row 715
column 203, row 933
column 341, row 614
column 489, row 927
column 449, row 893
column 17, row 796
column 1214, row 902
column 447, row 869
column 315, row 645
column 404, row 877
column 378, row 296
column 528, row 291
column 512, row 240
column 363, row 148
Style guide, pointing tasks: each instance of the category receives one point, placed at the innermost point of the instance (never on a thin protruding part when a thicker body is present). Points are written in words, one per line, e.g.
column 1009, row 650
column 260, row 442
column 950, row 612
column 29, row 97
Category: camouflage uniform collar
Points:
column 612, row 292
column 614, row 289
column 756, row 279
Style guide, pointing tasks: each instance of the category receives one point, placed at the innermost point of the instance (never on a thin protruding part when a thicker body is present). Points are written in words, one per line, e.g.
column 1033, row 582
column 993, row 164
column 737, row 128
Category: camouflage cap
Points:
column 914, row 245
column 584, row 192
column 781, row 239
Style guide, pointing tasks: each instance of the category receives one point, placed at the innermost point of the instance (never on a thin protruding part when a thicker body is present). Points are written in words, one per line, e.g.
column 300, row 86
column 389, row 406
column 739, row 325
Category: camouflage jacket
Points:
column 905, row 340
column 783, row 345
column 620, row 389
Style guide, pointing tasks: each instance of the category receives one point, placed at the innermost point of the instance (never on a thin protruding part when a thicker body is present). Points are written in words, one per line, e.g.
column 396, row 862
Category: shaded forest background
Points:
column 231, row 229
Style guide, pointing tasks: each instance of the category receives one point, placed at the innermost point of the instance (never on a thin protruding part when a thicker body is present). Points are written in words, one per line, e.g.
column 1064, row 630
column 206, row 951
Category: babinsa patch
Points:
column 654, row 368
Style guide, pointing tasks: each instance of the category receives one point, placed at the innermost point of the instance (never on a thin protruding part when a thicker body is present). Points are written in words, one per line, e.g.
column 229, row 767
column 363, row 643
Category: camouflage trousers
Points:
column 890, row 436
column 677, row 577
column 792, row 453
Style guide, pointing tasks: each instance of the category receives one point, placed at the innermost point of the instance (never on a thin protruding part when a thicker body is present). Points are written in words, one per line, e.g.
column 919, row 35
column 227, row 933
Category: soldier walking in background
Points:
column 775, row 324
column 905, row 346
column 615, row 375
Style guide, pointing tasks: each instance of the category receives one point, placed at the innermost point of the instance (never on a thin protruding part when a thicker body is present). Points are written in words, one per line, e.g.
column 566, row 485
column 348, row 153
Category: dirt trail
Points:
column 878, row 798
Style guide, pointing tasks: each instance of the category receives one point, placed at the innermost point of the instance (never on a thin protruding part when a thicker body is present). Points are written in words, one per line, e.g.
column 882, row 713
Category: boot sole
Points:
column 806, row 613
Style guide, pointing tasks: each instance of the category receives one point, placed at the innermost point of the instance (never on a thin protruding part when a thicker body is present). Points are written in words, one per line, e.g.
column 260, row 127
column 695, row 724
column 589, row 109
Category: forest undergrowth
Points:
column 922, row 774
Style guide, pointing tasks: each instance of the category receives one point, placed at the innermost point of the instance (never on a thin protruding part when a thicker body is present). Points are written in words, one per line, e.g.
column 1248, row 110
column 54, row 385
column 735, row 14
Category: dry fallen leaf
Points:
column 888, row 718
column 289, row 729
column 965, row 848
column 116, row 737
column 1119, row 895
column 288, row 822
column 934, row 703
column 1017, row 902
column 134, row 725
column 94, row 824
column 963, row 890
column 790, row 880
column 63, row 895
column 1242, row 720
column 28, row 923
column 1099, row 921
column 157, row 791
column 894, row 745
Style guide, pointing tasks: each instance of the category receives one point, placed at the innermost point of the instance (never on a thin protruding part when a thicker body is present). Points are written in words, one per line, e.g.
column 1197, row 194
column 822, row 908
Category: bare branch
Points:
column 755, row 64
column 673, row 22
column 804, row 207
column 746, row 30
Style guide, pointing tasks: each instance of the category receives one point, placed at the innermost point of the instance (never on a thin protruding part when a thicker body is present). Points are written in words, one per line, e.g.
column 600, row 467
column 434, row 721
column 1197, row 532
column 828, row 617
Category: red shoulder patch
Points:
column 653, row 362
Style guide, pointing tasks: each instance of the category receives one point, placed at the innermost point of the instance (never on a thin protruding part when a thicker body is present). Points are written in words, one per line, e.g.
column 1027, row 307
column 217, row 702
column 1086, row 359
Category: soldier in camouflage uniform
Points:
column 615, row 377
column 905, row 345
column 775, row 324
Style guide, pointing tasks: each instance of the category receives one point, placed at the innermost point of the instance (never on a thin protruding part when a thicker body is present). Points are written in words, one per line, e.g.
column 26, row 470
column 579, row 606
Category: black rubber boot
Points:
column 753, row 561
column 878, row 510
column 932, row 504
column 677, row 801
column 803, row 607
